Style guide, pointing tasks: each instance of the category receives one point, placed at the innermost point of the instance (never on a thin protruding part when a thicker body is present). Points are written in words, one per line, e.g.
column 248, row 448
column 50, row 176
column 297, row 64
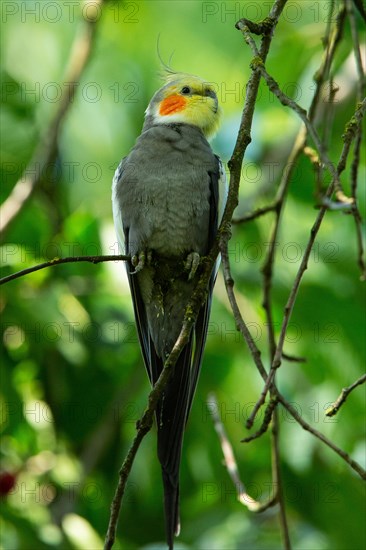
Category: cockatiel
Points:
column 168, row 198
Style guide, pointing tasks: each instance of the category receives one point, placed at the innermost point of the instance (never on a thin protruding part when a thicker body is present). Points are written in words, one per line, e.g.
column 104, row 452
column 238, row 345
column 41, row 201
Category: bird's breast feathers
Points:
column 164, row 191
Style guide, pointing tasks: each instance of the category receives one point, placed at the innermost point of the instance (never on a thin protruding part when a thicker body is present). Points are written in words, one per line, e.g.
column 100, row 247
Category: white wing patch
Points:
column 117, row 216
column 223, row 192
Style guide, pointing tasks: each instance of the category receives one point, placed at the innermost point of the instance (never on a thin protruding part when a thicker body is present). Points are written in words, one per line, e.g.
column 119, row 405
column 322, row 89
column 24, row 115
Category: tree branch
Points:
column 350, row 133
column 334, row 408
column 331, row 41
column 68, row 260
column 256, row 355
column 244, row 134
column 256, row 214
column 266, row 420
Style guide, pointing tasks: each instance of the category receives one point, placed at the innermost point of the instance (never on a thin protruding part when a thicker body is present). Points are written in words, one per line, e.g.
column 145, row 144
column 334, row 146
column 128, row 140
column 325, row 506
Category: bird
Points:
column 168, row 198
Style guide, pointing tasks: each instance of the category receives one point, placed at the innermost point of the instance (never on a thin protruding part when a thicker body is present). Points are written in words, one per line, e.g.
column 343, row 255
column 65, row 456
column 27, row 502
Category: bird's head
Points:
column 186, row 99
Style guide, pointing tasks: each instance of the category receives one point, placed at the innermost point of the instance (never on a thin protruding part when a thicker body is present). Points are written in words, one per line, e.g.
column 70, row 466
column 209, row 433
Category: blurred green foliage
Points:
column 73, row 383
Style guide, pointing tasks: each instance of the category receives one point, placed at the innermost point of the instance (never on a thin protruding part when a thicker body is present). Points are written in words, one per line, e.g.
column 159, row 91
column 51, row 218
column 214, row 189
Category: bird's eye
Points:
column 185, row 90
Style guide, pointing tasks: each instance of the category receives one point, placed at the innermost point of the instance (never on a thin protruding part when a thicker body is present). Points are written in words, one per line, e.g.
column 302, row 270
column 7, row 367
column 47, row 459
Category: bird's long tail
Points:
column 172, row 415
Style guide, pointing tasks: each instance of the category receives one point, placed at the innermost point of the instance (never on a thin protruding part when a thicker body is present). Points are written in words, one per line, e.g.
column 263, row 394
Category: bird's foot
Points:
column 140, row 260
column 191, row 264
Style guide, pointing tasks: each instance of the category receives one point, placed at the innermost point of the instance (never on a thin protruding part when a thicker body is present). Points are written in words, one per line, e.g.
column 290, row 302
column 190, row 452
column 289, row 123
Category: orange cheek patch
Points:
column 172, row 104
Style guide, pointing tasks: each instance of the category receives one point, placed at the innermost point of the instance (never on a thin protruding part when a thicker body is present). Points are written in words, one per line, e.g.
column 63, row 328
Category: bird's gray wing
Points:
column 151, row 361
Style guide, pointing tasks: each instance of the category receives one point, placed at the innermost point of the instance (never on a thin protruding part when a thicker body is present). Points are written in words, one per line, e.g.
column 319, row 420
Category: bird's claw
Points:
column 191, row 264
column 140, row 260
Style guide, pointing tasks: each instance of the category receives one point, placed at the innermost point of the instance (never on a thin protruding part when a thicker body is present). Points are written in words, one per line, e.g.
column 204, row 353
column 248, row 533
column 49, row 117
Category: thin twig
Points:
column 266, row 421
column 244, row 135
column 267, row 269
column 293, row 358
column 258, row 63
column 242, row 326
column 334, row 408
column 231, row 464
column 348, row 137
column 256, row 355
column 68, row 260
column 256, row 214
column 239, row 320
column 312, row 156
column 288, row 102
column 23, row 189
column 331, row 41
